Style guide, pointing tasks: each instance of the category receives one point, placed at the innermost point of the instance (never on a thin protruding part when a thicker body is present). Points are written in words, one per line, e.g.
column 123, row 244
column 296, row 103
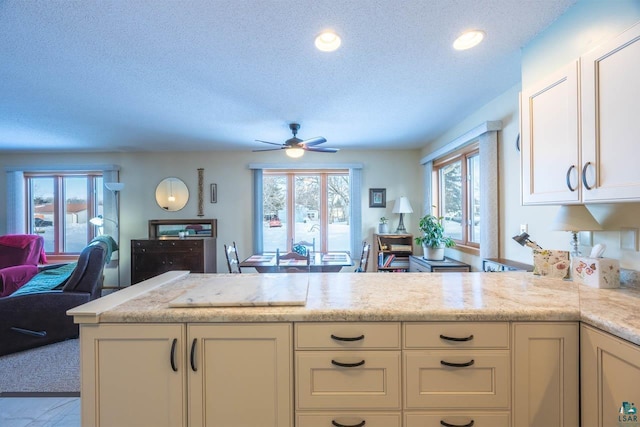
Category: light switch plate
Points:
column 629, row 239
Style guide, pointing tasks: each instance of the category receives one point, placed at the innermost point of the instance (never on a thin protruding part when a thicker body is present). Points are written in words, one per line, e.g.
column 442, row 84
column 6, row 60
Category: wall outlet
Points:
column 524, row 228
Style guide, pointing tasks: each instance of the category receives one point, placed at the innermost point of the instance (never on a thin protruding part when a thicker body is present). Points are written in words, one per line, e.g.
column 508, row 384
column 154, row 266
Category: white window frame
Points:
column 355, row 178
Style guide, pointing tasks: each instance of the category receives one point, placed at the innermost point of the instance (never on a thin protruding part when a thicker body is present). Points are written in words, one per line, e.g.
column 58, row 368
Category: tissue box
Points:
column 596, row 272
column 553, row 263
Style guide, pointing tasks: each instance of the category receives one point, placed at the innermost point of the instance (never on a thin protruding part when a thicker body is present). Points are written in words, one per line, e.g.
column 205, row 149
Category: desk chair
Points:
column 233, row 261
column 364, row 258
column 293, row 268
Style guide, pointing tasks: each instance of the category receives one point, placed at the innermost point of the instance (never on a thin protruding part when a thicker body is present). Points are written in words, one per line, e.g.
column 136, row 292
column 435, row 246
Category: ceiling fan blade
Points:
column 322, row 149
column 267, row 142
column 269, row 149
column 314, row 141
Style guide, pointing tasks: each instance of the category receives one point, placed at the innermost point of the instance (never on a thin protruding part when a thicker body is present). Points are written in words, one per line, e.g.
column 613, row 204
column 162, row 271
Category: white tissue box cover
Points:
column 596, row 272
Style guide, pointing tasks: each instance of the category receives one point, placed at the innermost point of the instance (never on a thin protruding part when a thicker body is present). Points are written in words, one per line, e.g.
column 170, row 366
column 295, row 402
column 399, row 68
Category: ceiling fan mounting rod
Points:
column 294, row 128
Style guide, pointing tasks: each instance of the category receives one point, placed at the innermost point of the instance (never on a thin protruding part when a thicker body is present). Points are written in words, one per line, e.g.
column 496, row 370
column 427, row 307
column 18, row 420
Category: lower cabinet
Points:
column 349, row 374
column 610, row 374
column 133, row 375
column 457, row 374
column 226, row 375
column 546, row 374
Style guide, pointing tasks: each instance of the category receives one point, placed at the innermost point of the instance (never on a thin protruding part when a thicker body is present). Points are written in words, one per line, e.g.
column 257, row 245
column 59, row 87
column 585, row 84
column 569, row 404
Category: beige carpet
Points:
column 54, row 368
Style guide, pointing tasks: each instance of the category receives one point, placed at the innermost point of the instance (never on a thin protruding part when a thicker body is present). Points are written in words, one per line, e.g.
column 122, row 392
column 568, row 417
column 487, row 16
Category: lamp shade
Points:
column 402, row 206
column 575, row 218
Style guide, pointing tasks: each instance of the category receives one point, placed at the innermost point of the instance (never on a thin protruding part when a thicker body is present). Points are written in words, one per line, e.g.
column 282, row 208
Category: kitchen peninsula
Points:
column 427, row 349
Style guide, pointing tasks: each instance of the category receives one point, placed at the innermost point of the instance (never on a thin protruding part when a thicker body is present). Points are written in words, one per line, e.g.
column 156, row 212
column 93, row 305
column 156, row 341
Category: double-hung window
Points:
column 306, row 205
column 59, row 206
column 456, row 187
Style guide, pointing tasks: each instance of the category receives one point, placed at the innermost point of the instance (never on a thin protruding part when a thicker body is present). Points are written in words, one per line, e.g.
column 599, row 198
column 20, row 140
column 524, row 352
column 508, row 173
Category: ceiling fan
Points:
column 295, row 147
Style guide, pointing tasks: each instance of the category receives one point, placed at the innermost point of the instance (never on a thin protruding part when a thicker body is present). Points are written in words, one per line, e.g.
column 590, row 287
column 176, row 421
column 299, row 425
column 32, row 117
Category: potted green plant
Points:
column 383, row 227
column 433, row 240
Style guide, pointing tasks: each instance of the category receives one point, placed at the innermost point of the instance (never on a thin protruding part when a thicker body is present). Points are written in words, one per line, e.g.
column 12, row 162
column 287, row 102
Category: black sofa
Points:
column 33, row 320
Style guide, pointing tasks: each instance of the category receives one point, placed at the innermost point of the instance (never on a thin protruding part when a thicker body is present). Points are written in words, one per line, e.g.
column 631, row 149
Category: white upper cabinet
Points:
column 611, row 119
column 580, row 128
column 549, row 139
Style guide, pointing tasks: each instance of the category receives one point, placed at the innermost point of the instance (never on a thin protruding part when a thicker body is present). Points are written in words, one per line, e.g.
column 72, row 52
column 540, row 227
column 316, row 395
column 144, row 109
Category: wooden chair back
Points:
column 364, row 258
column 233, row 261
column 298, row 268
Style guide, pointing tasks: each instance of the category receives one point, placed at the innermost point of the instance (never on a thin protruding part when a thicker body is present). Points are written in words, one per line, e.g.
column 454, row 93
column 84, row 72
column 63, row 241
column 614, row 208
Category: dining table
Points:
column 319, row 262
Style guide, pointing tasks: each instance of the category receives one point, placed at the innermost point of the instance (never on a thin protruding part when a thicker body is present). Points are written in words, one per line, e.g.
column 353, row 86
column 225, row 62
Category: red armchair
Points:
column 20, row 255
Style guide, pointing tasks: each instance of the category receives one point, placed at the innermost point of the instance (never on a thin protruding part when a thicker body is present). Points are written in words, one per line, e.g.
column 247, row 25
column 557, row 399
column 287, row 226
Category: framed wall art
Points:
column 214, row 193
column 377, row 197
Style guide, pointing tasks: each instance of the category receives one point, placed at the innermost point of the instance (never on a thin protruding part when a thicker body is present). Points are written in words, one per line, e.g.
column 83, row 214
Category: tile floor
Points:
column 40, row 411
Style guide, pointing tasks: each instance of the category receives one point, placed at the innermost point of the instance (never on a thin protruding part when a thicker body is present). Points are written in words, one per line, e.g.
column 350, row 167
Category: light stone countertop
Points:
column 478, row 296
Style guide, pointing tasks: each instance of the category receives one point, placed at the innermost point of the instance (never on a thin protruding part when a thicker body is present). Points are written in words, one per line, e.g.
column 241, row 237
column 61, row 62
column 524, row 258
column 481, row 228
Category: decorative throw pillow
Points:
column 300, row 249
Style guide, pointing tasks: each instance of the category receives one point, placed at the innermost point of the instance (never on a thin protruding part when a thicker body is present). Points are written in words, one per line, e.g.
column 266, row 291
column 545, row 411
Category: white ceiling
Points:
column 156, row 75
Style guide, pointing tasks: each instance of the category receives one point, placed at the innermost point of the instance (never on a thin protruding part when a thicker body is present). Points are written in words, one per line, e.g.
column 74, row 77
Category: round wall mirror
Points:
column 172, row 194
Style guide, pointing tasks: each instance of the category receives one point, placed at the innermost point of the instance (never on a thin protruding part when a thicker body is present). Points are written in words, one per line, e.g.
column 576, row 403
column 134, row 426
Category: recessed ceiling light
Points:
column 468, row 39
column 328, row 41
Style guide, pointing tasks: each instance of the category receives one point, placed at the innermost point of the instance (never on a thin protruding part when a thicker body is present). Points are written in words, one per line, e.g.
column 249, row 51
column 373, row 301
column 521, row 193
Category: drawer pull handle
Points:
column 458, row 365
column 193, row 355
column 444, row 337
column 446, row 424
column 347, row 365
column 172, row 358
column 337, row 424
column 337, row 338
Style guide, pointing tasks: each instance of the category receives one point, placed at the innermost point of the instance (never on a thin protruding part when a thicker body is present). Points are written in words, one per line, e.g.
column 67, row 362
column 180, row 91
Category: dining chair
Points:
column 293, row 268
column 233, row 261
column 364, row 258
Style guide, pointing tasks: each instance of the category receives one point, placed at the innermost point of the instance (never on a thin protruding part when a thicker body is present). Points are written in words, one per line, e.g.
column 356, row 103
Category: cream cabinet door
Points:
column 545, row 374
column 240, row 375
column 550, row 145
column 610, row 374
column 133, row 375
column 610, row 124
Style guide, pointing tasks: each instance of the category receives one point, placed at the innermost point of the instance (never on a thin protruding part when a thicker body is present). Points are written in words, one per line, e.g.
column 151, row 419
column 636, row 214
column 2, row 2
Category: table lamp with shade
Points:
column 402, row 207
column 575, row 218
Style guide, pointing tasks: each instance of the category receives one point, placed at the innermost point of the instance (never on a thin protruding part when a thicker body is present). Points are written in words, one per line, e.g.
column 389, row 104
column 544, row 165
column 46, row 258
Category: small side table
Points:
column 418, row 264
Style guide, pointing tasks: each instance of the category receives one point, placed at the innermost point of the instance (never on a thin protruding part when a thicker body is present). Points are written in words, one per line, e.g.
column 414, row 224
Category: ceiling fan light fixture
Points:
column 328, row 41
column 468, row 39
column 294, row 152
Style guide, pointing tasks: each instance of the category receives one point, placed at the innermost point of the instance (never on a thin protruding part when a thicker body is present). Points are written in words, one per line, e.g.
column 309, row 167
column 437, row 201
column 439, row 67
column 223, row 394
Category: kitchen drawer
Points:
column 374, row 384
column 347, row 336
column 430, row 384
column 462, row 418
column 334, row 418
column 456, row 335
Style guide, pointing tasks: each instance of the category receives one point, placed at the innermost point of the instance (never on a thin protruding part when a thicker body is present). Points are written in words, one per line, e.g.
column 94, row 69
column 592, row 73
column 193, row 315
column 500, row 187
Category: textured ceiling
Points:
column 116, row 75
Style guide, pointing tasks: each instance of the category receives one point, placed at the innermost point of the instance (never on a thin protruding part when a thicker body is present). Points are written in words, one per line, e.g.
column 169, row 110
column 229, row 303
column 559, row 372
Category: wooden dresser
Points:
column 150, row 257
column 164, row 250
